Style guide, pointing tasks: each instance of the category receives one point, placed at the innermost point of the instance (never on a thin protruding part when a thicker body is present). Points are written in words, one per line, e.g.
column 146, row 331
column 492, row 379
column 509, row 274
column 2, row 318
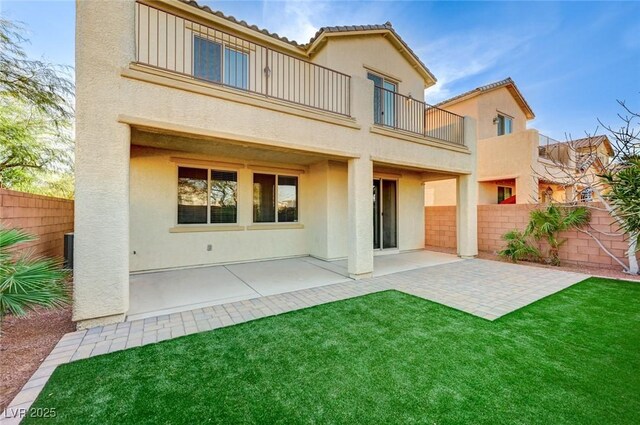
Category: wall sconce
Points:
column 267, row 71
column 496, row 120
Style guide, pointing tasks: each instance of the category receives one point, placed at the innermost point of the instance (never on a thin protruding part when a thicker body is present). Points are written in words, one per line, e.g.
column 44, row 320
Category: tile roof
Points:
column 323, row 30
column 243, row 23
column 593, row 141
column 507, row 82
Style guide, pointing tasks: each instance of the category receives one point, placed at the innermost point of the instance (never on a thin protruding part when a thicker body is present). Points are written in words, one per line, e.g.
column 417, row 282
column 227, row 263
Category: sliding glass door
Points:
column 385, row 212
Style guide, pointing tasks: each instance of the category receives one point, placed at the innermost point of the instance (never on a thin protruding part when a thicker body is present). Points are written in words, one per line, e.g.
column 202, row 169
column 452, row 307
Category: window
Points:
column 208, row 63
column 504, row 192
column 207, row 59
column 224, row 197
column 586, row 195
column 384, row 102
column 195, row 206
column 505, row 125
column 192, row 195
column 275, row 202
column 236, row 67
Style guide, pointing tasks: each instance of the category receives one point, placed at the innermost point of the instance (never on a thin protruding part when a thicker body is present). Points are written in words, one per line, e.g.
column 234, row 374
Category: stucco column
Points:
column 467, row 199
column 101, row 246
column 360, row 225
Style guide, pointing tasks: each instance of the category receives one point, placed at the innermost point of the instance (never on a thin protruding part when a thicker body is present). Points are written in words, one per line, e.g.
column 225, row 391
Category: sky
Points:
column 571, row 60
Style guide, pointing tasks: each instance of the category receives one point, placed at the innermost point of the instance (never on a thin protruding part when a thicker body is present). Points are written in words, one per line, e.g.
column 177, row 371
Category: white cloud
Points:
column 462, row 55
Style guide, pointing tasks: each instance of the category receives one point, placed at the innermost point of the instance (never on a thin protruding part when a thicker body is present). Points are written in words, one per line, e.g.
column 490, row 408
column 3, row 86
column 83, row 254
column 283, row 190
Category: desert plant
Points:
column 547, row 223
column 26, row 280
column 624, row 198
column 518, row 247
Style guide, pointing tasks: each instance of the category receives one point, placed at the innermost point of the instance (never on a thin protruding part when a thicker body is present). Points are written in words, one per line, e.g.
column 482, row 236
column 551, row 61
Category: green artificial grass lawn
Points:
column 389, row 357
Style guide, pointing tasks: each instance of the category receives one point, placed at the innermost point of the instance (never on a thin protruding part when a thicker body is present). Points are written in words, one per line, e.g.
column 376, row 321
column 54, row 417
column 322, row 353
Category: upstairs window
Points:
column 209, row 64
column 505, row 125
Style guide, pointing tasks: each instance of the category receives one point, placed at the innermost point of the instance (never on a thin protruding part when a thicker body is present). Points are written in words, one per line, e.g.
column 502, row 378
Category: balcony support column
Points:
column 360, row 222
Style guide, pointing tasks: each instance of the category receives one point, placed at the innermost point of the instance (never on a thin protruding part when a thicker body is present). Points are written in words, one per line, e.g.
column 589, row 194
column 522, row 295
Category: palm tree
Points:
column 27, row 281
column 546, row 224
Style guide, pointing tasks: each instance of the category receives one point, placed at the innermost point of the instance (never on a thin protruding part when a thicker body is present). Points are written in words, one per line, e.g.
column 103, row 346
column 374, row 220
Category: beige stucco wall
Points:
column 440, row 192
column 113, row 96
column 358, row 55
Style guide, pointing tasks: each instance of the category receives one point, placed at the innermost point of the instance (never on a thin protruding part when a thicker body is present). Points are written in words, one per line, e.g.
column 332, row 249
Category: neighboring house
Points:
column 515, row 164
column 584, row 158
column 203, row 140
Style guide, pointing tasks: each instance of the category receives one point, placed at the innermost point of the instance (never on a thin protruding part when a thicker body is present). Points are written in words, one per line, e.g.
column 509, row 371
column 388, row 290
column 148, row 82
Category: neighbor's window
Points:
column 504, row 192
column 209, row 63
column 505, row 125
column 195, row 206
column 275, row 198
column 586, row 195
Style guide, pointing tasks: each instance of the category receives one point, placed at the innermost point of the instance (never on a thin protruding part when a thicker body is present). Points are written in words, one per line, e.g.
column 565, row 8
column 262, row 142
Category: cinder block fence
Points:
column 495, row 220
column 47, row 218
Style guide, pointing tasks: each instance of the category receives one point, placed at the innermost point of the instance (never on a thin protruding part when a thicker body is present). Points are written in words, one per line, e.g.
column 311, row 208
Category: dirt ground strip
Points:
column 25, row 343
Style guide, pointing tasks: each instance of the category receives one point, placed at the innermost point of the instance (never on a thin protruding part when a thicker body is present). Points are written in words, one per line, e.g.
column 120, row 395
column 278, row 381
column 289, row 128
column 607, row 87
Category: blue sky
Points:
column 572, row 60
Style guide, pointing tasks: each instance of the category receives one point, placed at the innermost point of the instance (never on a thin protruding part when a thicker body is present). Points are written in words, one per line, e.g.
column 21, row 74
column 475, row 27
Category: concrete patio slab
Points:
column 166, row 292
column 279, row 276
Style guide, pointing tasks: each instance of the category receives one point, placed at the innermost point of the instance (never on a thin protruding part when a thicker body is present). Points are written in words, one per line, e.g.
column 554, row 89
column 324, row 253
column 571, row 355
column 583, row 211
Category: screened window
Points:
column 503, row 193
column 275, row 198
column 224, row 197
column 209, row 63
column 384, row 101
column 192, row 195
column 505, row 125
column 207, row 59
column 195, row 206
column 236, row 68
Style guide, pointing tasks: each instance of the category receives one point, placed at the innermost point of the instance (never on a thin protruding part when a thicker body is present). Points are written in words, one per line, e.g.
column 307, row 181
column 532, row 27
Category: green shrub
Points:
column 518, row 247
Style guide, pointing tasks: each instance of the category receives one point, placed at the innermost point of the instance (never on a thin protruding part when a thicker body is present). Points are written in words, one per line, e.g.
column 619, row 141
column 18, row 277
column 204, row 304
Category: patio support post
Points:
column 360, row 257
column 101, row 245
column 467, row 199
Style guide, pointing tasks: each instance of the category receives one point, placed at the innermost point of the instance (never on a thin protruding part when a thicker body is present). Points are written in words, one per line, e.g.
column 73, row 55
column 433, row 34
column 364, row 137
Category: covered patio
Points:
column 165, row 292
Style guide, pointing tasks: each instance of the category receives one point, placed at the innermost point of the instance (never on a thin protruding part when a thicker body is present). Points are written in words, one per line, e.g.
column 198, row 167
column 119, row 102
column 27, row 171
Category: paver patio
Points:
column 487, row 289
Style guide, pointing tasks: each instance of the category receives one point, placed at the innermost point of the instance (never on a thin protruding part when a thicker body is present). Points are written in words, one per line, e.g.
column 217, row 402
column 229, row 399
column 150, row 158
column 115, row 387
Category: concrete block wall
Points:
column 45, row 217
column 495, row 220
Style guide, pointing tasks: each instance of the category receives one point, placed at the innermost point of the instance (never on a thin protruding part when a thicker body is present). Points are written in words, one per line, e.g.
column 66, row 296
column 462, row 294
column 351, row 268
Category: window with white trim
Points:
column 505, row 125
column 275, row 198
column 207, row 196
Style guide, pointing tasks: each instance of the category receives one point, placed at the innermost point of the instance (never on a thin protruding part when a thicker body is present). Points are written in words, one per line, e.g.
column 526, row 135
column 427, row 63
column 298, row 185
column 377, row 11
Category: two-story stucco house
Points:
column 203, row 140
column 516, row 164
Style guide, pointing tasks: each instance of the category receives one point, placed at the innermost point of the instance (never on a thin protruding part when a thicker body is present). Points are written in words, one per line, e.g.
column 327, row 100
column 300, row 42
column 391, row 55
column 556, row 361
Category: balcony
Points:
column 399, row 112
column 181, row 46
column 553, row 150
